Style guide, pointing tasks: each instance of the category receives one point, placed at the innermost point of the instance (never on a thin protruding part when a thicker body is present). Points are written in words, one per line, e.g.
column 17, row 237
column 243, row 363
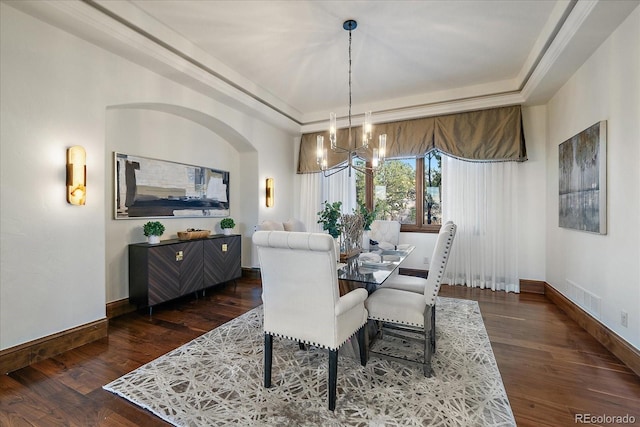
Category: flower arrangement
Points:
column 352, row 228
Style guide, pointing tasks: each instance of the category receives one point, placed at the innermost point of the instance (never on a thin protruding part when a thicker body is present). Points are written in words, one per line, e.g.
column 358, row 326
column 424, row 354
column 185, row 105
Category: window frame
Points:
column 406, row 228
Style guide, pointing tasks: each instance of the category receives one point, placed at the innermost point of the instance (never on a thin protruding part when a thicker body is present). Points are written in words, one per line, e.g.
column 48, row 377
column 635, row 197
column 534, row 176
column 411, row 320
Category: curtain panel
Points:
column 481, row 200
column 492, row 135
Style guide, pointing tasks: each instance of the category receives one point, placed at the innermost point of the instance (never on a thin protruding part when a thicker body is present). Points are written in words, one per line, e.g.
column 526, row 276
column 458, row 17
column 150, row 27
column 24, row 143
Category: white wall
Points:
column 532, row 197
column 606, row 87
column 60, row 264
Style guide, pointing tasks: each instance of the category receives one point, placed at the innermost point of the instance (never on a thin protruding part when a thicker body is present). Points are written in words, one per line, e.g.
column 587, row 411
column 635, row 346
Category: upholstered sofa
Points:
column 291, row 225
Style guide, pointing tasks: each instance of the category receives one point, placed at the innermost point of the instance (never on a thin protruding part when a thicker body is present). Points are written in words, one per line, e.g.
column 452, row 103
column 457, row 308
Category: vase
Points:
column 153, row 239
column 227, row 231
column 365, row 240
column 336, row 241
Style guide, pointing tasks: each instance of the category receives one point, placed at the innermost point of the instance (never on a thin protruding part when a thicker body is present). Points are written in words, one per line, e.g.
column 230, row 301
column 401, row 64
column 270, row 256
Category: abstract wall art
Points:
column 151, row 188
column 583, row 180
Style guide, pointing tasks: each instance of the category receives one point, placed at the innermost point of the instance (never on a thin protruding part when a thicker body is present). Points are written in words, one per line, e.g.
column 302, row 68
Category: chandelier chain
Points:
column 349, row 88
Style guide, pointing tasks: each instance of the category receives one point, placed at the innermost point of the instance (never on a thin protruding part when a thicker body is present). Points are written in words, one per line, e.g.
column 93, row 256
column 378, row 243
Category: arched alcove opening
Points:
column 181, row 134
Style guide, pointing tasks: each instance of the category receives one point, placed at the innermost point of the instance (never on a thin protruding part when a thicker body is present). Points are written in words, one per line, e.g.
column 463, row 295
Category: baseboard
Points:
column 250, row 272
column 532, row 286
column 628, row 354
column 25, row 354
column 119, row 307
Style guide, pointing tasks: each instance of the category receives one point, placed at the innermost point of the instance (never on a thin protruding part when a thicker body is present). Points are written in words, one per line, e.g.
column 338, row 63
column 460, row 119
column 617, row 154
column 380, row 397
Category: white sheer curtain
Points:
column 310, row 200
column 315, row 189
column 481, row 199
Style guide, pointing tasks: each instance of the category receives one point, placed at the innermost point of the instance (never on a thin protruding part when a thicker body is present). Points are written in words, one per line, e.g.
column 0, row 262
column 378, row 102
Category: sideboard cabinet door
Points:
column 159, row 273
column 222, row 260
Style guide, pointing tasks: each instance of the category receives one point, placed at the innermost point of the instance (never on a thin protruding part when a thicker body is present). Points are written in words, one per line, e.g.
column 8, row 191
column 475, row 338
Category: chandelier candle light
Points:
column 379, row 153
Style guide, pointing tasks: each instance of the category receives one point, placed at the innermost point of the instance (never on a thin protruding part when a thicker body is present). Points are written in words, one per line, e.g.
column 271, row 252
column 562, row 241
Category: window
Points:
column 405, row 190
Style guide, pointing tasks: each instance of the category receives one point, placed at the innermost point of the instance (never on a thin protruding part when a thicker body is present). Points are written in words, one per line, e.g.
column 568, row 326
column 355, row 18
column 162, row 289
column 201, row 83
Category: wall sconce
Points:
column 76, row 175
column 269, row 192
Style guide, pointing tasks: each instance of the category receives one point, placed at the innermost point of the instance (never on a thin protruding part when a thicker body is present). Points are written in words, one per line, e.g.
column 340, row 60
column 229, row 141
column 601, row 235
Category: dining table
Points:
column 369, row 269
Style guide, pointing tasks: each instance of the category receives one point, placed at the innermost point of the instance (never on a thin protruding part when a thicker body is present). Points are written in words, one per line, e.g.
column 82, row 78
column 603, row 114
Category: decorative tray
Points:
column 384, row 265
column 191, row 234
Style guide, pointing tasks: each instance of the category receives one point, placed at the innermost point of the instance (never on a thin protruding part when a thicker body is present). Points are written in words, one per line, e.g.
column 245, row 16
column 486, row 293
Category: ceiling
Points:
column 298, row 50
column 404, row 53
column 410, row 58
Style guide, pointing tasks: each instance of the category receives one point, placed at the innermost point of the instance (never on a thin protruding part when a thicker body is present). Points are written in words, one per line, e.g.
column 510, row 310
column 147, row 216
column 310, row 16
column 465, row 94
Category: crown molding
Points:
column 565, row 34
column 100, row 22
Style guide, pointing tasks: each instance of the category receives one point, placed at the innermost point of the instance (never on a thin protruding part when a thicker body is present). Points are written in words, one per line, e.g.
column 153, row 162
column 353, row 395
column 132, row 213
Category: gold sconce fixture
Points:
column 269, row 192
column 76, row 175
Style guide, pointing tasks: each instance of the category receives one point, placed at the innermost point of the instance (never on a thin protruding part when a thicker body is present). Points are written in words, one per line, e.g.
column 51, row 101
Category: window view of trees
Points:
column 399, row 184
column 432, row 188
column 394, row 191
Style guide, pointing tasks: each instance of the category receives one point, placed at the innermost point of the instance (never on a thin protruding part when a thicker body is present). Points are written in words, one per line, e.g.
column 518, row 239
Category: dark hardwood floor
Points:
column 551, row 368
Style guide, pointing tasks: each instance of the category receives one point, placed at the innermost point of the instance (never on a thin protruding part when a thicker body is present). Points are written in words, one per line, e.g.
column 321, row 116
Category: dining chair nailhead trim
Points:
column 314, row 343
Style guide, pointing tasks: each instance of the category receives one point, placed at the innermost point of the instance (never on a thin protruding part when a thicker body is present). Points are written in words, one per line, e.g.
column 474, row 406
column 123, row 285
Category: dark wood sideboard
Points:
column 173, row 268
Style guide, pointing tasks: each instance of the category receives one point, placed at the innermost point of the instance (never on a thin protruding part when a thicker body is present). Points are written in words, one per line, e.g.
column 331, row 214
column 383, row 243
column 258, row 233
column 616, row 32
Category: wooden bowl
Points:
column 190, row 235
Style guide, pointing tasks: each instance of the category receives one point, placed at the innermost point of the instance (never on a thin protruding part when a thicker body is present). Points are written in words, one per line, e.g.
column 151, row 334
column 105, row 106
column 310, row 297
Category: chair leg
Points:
column 380, row 330
column 433, row 329
column 426, row 366
column 333, row 378
column 362, row 345
column 268, row 348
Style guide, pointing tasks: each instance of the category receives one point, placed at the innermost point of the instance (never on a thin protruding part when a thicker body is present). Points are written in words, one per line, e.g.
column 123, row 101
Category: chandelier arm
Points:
column 339, row 149
column 334, row 170
column 363, row 169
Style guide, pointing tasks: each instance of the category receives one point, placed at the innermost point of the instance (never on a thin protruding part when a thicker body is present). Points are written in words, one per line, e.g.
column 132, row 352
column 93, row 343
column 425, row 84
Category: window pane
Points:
column 432, row 188
column 395, row 191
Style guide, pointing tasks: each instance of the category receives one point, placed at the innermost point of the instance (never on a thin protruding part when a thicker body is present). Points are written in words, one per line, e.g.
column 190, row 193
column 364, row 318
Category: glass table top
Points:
column 373, row 267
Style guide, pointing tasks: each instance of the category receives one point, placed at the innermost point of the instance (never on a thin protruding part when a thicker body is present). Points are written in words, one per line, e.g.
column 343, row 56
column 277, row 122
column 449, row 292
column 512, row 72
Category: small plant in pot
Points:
column 227, row 225
column 153, row 230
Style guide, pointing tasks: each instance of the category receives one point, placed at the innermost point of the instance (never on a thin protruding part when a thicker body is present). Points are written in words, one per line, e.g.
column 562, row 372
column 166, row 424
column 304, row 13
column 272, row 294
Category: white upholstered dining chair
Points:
column 398, row 309
column 383, row 231
column 414, row 283
column 301, row 298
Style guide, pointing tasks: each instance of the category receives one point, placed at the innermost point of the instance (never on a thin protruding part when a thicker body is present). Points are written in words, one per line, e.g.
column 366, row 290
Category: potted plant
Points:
column 227, row 225
column 153, row 230
column 330, row 217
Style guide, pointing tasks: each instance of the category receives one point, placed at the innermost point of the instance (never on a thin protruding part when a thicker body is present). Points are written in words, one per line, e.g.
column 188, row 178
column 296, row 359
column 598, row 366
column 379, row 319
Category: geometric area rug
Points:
column 217, row 379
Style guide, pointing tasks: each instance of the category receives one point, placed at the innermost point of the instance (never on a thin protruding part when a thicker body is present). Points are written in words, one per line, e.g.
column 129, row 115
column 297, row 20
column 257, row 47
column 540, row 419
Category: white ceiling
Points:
column 298, row 50
column 411, row 58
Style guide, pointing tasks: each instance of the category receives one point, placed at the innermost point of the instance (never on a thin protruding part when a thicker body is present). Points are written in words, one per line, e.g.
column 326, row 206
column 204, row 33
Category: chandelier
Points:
column 351, row 150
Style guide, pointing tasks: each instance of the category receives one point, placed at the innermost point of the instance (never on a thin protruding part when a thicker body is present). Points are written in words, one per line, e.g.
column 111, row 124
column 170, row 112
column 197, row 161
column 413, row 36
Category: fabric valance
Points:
column 492, row 135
